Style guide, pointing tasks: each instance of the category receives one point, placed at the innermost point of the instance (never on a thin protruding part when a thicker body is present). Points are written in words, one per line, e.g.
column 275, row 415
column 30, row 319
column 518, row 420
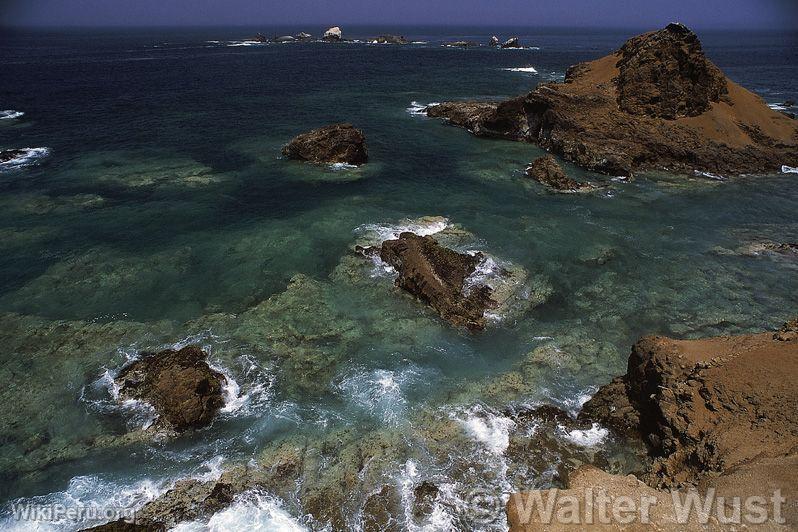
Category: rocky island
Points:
column 658, row 103
column 336, row 143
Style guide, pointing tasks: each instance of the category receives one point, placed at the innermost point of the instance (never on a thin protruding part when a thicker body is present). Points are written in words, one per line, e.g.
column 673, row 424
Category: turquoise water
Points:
column 163, row 214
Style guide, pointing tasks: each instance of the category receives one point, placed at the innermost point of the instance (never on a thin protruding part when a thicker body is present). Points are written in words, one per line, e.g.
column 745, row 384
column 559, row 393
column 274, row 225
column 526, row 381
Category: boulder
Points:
column 547, row 171
column 656, row 104
column 494, row 41
column 512, row 42
column 184, row 390
column 437, row 276
column 333, row 34
column 303, row 36
column 336, row 143
column 285, row 38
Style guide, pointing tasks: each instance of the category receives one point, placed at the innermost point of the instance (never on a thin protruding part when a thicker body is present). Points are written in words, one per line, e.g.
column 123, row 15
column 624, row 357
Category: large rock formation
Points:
column 336, row 143
column 437, row 275
column 546, row 171
column 390, row 39
column 656, row 104
column 719, row 415
column 333, row 34
column 184, row 391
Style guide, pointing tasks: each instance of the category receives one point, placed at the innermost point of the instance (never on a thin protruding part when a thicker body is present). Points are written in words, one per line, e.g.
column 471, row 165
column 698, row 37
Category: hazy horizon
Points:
column 598, row 14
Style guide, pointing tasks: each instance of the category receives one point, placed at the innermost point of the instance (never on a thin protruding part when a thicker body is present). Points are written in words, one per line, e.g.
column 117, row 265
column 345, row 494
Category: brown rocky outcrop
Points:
column 336, row 143
column 437, row 276
column 656, row 104
column 716, row 414
column 180, row 385
column 547, row 171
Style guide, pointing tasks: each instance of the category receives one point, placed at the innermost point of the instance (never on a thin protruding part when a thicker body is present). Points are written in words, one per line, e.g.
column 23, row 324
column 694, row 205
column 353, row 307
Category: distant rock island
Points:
column 657, row 103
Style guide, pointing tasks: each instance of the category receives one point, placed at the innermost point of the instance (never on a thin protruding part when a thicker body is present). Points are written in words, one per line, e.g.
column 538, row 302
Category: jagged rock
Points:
column 494, row 41
column 303, row 36
column 512, row 42
column 665, row 74
column 259, row 37
column 546, row 171
column 437, row 276
column 485, row 119
column 391, row 39
column 184, row 391
column 788, row 332
column 337, row 143
column 333, row 34
column 705, row 406
column 424, row 498
column 656, row 104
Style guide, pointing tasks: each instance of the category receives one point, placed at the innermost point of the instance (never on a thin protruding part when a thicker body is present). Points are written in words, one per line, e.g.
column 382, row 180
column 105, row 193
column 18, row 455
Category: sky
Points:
column 707, row 14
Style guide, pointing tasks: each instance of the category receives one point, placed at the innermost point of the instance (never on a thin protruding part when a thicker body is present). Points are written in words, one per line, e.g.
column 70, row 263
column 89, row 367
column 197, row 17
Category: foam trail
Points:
column 420, row 109
column 789, row 169
column 29, row 157
column 10, row 114
column 527, row 70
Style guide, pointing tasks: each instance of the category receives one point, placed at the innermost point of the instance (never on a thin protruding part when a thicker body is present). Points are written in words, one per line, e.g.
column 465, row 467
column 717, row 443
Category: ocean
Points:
column 158, row 212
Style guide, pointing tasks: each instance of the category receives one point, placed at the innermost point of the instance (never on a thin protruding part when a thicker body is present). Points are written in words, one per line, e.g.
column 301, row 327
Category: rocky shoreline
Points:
column 718, row 415
column 656, row 104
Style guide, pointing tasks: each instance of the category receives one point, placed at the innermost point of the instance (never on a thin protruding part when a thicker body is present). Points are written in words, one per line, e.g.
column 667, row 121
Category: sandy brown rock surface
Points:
column 719, row 415
column 656, row 104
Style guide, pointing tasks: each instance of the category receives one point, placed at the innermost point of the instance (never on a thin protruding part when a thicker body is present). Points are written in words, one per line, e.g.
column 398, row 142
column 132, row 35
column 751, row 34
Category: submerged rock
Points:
column 460, row 44
column 512, row 42
column 548, row 172
column 333, row 34
column 337, row 143
column 184, row 390
column 656, row 104
column 10, row 155
column 285, row 38
column 437, row 276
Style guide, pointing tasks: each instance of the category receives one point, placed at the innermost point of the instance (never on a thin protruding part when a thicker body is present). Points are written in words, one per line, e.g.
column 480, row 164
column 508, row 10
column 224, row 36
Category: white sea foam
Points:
column 778, row 106
column 376, row 234
column 245, row 43
column 587, row 437
column 420, row 109
column 250, row 393
column 443, row 514
column 710, row 175
column 490, row 430
column 337, row 167
column 575, row 403
column 788, row 169
column 252, row 510
column 381, row 392
column 527, row 70
column 29, row 157
column 94, row 494
column 10, row 114
column 488, row 272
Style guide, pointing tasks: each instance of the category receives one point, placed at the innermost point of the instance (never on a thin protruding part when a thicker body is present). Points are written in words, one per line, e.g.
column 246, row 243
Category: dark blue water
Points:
column 163, row 212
